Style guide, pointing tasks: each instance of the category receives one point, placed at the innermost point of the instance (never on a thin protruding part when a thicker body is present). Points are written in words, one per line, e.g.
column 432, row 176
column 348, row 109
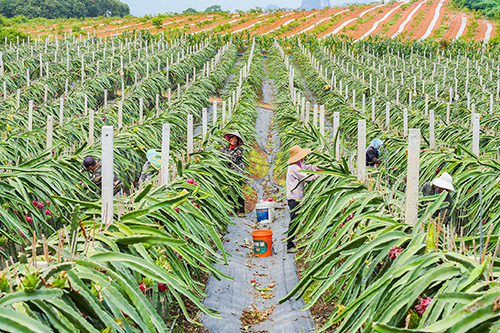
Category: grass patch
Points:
column 258, row 166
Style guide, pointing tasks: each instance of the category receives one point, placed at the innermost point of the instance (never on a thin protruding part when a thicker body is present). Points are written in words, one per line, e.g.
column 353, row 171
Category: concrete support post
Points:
column 491, row 104
column 141, row 110
column 204, row 120
column 190, row 146
column 336, row 123
column 157, row 105
column 361, row 150
column 120, row 115
column 107, row 174
column 50, row 131
column 30, row 116
column 165, row 153
column 61, row 111
column 475, row 134
column 432, row 138
column 214, row 113
column 18, row 98
column 412, row 176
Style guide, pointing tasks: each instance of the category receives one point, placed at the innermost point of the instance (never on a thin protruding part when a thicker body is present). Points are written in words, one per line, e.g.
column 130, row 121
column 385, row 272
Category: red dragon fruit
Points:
column 394, row 252
column 424, row 303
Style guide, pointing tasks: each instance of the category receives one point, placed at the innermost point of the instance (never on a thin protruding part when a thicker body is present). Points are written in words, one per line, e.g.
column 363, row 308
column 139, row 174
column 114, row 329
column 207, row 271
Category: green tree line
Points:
column 490, row 8
column 52, row 9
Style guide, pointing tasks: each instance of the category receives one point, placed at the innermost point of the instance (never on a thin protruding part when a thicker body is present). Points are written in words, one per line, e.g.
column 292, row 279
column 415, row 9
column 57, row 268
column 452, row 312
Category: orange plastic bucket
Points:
column 262, row 243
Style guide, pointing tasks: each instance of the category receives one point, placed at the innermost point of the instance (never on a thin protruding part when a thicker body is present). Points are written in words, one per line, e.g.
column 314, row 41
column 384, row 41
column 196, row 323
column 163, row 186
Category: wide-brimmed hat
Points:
column 228, row 136
column 154, row 158
column 297, row 153
column 444, row 181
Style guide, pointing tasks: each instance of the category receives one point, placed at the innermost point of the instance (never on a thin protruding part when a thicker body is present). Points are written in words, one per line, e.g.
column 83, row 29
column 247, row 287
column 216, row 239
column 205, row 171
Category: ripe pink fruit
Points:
column 177, row 209
column 422, row 306
column 190, row 181
column 252, row 280
column 48, row 212
column 394, row 252
column 143, row 287
column 29, row 219
column 162, row 287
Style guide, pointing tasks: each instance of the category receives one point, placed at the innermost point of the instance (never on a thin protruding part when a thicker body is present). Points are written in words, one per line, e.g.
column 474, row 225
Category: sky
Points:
column 143, row 7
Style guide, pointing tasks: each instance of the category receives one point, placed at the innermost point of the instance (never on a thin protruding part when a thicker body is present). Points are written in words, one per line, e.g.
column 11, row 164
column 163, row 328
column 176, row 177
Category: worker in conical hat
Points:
column 295, row 186
column 234, row 152
column 436, row 187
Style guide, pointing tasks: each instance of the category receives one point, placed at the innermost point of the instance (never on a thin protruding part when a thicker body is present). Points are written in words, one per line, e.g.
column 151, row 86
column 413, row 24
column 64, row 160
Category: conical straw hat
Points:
column 297, row 153
column 228, row 136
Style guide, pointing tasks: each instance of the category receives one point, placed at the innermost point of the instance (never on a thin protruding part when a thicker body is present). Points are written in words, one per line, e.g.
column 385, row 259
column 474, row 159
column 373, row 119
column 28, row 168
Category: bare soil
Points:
column 481, row 30
column 350, row 15
column 404, row 15
column 311, row 21
column 455, row 27
column 276, row 24
column 418, row 30
column 379, row 14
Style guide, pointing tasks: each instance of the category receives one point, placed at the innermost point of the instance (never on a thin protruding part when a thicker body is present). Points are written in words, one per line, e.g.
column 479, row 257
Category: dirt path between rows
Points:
column 249, row 303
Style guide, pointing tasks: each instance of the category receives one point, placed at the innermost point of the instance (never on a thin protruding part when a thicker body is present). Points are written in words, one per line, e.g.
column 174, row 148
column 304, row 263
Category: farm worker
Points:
column 152, row 165
column 372, row 153
column 436, row 187
column 90, row 164
column 234, row 153
column 295, row 187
